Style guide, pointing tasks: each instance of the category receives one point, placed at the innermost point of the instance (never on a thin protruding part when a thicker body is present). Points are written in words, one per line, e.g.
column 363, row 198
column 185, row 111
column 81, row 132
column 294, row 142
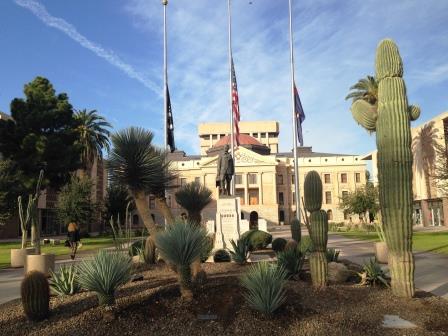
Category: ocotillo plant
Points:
column 393, row 140
column 30, row 216
column 318, row 228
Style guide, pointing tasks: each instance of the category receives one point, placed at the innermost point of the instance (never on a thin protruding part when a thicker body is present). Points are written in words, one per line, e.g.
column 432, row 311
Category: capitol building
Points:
column 264, row 177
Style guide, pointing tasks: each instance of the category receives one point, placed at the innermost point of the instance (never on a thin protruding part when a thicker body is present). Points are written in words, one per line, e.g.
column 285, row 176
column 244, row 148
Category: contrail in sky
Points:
column 41, row 12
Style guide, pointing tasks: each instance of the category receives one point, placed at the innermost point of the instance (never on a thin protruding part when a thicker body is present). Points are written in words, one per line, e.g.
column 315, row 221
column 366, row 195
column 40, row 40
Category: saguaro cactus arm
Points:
column 414, row 112
column 364, row 114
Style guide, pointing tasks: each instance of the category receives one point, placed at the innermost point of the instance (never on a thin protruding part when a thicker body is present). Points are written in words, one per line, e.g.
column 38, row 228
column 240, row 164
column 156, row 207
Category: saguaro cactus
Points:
column 393, row 139
column 295, row 230
column 319, row 228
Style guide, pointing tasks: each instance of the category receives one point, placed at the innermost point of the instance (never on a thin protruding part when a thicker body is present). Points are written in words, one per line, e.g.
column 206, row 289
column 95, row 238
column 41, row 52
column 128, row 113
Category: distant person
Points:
column 73, row 238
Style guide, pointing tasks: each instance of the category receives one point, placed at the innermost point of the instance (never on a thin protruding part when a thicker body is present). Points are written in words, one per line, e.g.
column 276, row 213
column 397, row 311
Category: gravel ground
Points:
column 153, row 307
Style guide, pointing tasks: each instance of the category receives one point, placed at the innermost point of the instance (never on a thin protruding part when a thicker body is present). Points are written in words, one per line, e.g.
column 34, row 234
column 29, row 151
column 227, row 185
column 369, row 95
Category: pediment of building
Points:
column 243, row 157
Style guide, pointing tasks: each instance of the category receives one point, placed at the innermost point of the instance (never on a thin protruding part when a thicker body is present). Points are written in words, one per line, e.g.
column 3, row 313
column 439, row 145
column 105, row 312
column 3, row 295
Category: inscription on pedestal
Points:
column 227, row 221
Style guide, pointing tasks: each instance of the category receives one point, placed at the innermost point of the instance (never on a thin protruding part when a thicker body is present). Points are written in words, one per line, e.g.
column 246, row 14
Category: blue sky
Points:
column 107, row 55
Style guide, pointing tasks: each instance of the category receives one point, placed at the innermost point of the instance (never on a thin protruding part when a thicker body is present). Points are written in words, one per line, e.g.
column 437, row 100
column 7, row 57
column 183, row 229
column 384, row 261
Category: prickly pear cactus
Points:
column 295, row 230
column 35, row 292
column 319, row 228
column 393, row 138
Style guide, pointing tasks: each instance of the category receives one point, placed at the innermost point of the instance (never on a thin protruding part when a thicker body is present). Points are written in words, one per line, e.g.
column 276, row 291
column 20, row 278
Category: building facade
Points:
column 264, row 177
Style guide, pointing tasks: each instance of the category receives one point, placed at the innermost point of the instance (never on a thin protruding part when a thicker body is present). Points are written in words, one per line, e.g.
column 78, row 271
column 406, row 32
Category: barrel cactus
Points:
column 35, row 292
column 319, row 228
column 295, row 230
column 393, row 138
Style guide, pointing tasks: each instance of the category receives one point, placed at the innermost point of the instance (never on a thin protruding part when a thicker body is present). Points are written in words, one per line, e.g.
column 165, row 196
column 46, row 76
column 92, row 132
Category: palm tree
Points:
column 93, row 136
column 194, row 197
column 143, row 168
column 366, row 89
column 424, row 149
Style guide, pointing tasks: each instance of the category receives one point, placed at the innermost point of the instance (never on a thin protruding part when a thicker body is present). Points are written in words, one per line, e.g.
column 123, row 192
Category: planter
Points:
column 381, row 252
column 40, row 262
column 18, row 256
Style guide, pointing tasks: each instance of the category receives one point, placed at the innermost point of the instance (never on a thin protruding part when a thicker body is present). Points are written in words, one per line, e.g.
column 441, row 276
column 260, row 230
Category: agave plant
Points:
column 332, row 254
column 240, row 251
column 265, row 285
column 104, row 274
column 64, row 281
column 373, row 274
column 291, row 260
column 181, row 244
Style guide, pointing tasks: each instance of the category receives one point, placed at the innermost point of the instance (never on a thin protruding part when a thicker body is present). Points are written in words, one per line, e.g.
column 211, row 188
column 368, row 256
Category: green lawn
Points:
column 436, row 242
column 88, row 244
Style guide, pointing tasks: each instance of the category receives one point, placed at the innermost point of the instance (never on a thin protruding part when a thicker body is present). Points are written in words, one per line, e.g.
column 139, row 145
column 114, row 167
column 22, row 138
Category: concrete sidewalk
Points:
column 431, row 270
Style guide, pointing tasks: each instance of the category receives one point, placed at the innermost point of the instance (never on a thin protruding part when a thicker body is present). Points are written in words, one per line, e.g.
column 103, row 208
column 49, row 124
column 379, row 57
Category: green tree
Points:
column 136, row 163
column 74, row 203
column 424, row 149
column 194, row 197
column 116, row 201
column 41, row 135
column 10, row 189
column 361, row 200
column 365, row 89
column 93, row 136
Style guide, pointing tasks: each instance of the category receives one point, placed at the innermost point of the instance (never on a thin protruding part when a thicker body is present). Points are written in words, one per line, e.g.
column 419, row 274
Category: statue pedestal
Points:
column 227, row 221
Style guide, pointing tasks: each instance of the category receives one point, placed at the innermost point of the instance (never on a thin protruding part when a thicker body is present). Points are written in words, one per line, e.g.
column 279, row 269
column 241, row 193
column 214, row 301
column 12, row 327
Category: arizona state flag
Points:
column 169, row 123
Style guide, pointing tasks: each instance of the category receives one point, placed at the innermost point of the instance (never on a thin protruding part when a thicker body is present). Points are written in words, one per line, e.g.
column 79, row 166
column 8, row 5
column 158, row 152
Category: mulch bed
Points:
column 154, row 307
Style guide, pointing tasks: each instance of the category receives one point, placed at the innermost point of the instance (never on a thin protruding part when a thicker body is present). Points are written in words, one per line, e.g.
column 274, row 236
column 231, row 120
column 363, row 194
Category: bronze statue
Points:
column 225, row 171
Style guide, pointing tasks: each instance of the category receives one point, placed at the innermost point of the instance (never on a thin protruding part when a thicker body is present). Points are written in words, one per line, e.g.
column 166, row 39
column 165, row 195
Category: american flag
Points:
column 235, row 106
column 300, row 115
column 169, row 123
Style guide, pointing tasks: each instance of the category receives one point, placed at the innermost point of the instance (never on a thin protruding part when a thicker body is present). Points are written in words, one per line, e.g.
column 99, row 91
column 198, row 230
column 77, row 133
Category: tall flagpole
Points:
column 165, row 74
column 294, row 117
column 232, row 152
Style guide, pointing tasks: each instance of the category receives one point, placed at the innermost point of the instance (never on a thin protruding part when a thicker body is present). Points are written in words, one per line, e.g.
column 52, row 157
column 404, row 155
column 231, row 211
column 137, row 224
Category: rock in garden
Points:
column 136, row 277
column 337, row 272
column 395, row 321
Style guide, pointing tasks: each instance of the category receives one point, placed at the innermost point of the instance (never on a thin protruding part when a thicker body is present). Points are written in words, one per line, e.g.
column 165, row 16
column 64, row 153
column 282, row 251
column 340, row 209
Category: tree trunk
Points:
column 24, row 238
column 143, row 209
column 164, row 209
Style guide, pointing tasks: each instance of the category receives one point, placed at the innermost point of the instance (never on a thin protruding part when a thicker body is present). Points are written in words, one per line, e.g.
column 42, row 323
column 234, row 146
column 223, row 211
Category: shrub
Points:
column 240, row 251
column 35, row 294
column 278, row 244
column 291, row 260
column 265, row 285
column 207, row 248
column 104, row 274
column 257, row 239
column 332, row 254
column 181, row 244
column 373, row 274
column 221, row 256
column 64, row 282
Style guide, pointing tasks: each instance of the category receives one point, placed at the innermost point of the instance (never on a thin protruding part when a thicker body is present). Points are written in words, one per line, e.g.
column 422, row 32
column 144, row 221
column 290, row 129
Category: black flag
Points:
column 169, row 123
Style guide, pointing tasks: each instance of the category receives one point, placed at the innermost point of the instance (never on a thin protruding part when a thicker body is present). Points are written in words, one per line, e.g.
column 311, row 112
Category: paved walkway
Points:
column 431, row 270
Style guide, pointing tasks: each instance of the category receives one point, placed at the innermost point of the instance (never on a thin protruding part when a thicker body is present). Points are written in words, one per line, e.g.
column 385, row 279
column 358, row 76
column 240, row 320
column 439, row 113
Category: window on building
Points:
column 240, row 193
column 281, row 216
column 272, row 135
column 183, row 181
column 328, row 197
column 253, row 196
column 281, row 200
column 252, row 178
column 346, row 215
column 293, row 198
column 327, row 178
column 262, row 135
column 280, row 179
column 293, row 179
column 255, row 135
column 222, row 135
column 214, row 136
column 343, row 178
column 330, row 215
column 197, row 179
column 238, row 179
column 358, row 177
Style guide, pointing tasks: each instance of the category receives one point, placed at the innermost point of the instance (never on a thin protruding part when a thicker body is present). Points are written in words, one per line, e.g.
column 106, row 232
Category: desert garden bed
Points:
column 154, row 307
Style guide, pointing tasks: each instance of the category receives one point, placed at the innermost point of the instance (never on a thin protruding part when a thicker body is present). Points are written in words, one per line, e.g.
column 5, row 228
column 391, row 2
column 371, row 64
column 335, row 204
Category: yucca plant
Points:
column 194, row 197
column 332, row 254
column 265, row 285
column 64, row 281
column 240, row 252
column 291, row 260
column 104, row 274
column 373, row 274
column 181, row 244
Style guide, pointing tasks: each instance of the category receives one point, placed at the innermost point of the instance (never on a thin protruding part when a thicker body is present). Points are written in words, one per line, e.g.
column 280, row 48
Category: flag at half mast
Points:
column 300, row 115
column 169, row 122
column 235, row 107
